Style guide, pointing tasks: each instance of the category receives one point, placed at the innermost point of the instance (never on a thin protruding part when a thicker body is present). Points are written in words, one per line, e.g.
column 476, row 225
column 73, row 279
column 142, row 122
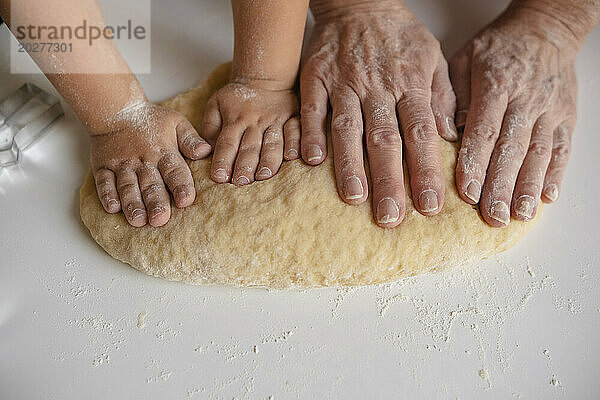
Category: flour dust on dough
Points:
column 292, row 230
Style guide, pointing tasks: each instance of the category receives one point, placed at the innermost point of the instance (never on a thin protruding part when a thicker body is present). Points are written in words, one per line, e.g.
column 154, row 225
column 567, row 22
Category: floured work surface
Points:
column 292, row 230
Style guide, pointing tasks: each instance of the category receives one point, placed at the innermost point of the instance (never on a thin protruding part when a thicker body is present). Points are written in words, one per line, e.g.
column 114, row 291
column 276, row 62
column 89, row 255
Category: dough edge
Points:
column 283, row 232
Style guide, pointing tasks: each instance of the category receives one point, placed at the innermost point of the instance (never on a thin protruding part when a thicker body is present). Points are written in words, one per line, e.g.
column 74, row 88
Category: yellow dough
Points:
column 292, row 230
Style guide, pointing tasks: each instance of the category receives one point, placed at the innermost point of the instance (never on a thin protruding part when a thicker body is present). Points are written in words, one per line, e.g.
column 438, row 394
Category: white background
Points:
column 521, row 325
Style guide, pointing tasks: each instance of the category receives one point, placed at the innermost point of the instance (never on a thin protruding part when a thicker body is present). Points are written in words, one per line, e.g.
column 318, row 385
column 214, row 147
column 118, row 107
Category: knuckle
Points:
column 272, row 137
column 419, row 131
column 249, row 148
column 271, row 147
column 244, row 170
column 126, row 166
column 346, row 122
column 177, row 174
column 292, row 123
column 152, row 190
column 510, row 150
column 560, row 151
column 445, row 95
column 188, row 139
column 310, row 109
column 539, row 148
column 103, row 183
column 168, row 161
column 127, row 187
column 386, row 181
column 226, row 146
column 483, row 131
column 319, row 64
column 415, row 95
column 383, row 136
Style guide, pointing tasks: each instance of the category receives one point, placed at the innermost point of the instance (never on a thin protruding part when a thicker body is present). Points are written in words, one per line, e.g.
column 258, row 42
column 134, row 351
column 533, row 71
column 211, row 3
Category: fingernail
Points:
column 156, row 211
column 292, row 154
column 428, row 200
column 220, row 175
column 473, row 190
column 200, row 145
column 264, row 173
column 461, row 119
column 314, row 153
column 499, row 212
column 387, row 211
column 525, row 205
column 112, row 204
column 353, row 188
column 137, row 213
column 551, row 192
column 242, row 180
column 452, row 133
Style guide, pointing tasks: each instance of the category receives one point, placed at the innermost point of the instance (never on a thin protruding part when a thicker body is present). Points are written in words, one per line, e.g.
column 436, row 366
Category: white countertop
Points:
column 74, row 323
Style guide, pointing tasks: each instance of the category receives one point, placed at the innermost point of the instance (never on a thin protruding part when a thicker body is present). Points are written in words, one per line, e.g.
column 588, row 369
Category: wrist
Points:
column 328, row 9
column 107, row 103
column 267, row 80
column 568, row 21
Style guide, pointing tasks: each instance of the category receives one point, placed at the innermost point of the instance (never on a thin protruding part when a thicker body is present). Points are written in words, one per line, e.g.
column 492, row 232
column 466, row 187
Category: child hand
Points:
column 139, row 151
column 252, row 129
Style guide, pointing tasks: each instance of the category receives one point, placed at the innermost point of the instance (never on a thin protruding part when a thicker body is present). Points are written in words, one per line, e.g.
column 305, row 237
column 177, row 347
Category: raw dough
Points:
column 292, row 230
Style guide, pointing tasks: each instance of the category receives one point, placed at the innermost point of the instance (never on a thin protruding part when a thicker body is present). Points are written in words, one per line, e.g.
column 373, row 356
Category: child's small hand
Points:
column 140, row 150
column 252, row 129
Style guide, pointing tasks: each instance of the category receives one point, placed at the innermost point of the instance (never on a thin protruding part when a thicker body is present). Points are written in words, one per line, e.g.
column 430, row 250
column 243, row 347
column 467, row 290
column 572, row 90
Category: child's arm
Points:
column 268, row 42
column 254, row 119
column 135, row 146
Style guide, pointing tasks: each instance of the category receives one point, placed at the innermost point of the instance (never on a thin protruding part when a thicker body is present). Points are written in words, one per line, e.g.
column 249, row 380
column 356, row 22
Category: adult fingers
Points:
column 107, row 190
column 423, row 155
column 313, row 115
column 177, row 176
column 271, row 153
column 155, row 195
column 384, row 147
column 505, row 163
column 346, row 135
column 561, row 148
column 291, row 134
column 460, row 75
column 226, row 150
column 131, row 198
column 443, row 102
column 248, row 157
column 212, row 121
column 531, row 176
column 484, row 121
column 190, row 143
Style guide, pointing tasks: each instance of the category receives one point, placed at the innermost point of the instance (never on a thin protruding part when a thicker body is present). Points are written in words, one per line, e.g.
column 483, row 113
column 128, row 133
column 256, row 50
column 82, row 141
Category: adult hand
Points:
column 378, row 66
column 516, row 92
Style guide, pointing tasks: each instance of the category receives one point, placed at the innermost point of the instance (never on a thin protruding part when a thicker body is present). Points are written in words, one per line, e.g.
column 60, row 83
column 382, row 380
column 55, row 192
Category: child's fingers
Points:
column 211, row 124
column 248, row 156
column 178, row 178
column 131, row 198
column 155, row 195
column 271, row 153
column 226, row 149
column 107, row 190
column 314, row 116
column 190, row 143
column 291, row 133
